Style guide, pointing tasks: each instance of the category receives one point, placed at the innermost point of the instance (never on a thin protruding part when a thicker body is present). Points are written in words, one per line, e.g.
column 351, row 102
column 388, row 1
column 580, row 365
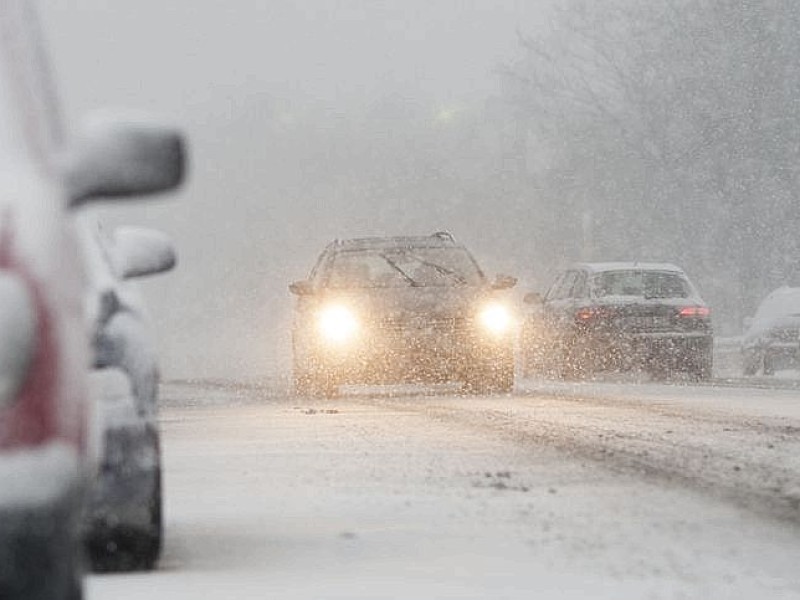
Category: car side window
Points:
column 579, row 287
column 552, row 293
column 566, row 285
column 320, row 267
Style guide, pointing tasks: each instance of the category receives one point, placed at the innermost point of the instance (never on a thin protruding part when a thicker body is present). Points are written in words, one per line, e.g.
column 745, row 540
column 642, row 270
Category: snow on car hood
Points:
column 399, row 302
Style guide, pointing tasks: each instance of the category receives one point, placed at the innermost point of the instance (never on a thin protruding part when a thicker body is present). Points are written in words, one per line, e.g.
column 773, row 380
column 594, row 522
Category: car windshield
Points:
column 645, row 284
column 403, row 267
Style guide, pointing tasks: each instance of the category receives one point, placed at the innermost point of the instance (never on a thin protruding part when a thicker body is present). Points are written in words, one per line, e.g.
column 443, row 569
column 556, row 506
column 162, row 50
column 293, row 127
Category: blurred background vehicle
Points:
column 123, row 520
column 618, row 316
column 401, row 309
column 771, row 340
column 47, row 438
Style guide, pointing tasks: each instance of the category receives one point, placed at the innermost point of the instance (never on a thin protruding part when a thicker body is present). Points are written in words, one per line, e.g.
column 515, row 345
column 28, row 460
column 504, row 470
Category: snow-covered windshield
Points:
column 418, row 267
column 646, row 284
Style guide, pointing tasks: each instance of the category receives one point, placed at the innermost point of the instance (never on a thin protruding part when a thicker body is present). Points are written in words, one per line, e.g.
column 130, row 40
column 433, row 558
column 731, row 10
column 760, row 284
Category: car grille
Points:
column 413, row 323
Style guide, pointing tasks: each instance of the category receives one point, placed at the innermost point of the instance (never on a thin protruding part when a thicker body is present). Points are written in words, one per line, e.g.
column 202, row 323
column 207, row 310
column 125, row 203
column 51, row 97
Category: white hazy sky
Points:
column 213, row 66
column 167, row 53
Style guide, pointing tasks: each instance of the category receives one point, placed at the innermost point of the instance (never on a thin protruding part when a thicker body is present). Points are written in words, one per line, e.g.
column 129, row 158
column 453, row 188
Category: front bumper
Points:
column 415, row 355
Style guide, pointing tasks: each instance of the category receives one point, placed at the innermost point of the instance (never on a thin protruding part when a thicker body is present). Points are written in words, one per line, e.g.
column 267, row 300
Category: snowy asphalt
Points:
column 584, row 490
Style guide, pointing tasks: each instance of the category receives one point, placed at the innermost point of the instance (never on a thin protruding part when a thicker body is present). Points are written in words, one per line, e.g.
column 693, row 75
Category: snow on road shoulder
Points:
column 351, row 498
column 757, row 402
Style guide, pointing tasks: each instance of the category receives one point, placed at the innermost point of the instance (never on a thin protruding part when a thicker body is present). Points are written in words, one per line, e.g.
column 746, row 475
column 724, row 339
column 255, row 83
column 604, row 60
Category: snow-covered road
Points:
column 559, row 491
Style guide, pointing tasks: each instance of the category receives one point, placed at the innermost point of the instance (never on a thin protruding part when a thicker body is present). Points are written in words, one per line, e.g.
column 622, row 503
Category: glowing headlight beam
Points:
column 496, row 319
column 337, row 324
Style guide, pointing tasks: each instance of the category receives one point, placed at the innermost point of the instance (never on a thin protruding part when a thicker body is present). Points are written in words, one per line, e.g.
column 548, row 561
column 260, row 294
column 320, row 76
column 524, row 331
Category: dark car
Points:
column 398, row 310
column 772, row 339
column 123, row 520
column 618, row 316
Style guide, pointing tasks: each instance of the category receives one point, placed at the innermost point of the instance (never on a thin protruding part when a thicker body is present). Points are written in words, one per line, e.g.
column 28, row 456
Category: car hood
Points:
column 410, row 302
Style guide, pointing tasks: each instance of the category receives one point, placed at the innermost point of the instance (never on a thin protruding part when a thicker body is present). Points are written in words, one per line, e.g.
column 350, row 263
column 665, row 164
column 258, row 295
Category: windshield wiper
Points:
column 411, row 281
column 438, row 268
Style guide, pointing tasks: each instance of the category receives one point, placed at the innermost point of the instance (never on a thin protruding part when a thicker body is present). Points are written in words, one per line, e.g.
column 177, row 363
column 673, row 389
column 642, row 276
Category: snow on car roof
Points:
column 780, row 302
column 436, row 240
column 627, row 266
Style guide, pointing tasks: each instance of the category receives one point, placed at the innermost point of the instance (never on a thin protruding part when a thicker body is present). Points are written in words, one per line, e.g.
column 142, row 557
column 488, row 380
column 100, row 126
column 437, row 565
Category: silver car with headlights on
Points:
column 388, row 310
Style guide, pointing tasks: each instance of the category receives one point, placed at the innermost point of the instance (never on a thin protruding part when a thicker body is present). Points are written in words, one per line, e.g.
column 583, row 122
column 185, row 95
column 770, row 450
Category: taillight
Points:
column 17, row 335
column 694, row 311
column 586, row 314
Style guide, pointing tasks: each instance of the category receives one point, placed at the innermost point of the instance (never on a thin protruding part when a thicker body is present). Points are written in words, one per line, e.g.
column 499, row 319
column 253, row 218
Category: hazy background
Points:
column 537, row 132
column 297, row 112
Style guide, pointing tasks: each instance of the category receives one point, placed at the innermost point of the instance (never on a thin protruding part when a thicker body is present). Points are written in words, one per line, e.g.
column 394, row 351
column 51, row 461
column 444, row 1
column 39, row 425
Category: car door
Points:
column 558, row 306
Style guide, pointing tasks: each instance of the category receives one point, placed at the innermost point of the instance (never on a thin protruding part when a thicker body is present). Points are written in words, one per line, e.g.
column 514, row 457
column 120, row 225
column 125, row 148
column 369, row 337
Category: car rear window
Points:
column 780, row 303
column 403, row 267
column 643, row 284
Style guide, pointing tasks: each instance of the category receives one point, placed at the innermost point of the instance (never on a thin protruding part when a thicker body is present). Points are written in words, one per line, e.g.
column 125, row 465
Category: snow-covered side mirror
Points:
column 301, row 288
column 119, row 159
column 533, row 298
column 139, row 251
column 504, row 282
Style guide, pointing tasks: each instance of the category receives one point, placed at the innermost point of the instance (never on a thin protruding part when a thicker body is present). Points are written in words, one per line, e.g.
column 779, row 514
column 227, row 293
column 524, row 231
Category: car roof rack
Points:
column 443, row 235
column 436, row 239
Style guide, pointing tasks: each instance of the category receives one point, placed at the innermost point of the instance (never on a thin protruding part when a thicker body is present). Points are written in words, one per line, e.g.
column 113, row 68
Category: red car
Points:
column 46, row 432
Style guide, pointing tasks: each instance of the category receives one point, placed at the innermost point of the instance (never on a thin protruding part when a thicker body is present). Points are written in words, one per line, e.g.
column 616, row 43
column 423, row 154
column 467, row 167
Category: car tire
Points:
column 768, row 368
column 40, row 552
column 123, row 549
column 750, row 364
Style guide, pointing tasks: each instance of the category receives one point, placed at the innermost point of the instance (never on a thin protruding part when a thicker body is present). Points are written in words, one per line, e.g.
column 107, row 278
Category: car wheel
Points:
column 749, row 364
column 40, row 552
column 153, row 542
column 124, row 549
column 768, row 364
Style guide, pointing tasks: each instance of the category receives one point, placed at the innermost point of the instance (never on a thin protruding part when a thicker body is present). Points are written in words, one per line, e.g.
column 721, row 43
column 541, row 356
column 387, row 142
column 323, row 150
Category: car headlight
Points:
column 337, row 324
column 496, row 318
